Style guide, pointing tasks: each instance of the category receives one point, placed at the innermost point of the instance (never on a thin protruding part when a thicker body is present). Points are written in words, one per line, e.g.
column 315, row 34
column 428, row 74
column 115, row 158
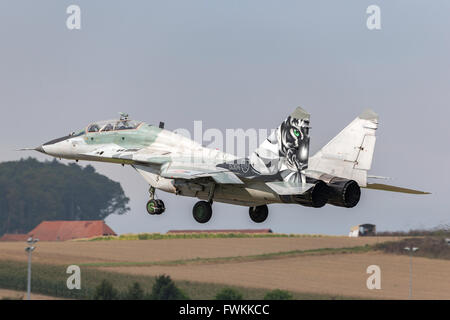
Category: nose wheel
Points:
column 155, row 206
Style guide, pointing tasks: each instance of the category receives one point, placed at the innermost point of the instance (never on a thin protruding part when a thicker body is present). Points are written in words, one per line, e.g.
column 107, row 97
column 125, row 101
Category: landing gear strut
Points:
column 202, row 210
column 155, row 206
column 258, row 214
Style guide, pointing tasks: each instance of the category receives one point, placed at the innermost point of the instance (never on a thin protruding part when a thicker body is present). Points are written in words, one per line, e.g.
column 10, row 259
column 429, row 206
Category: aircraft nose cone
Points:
column 40, row 149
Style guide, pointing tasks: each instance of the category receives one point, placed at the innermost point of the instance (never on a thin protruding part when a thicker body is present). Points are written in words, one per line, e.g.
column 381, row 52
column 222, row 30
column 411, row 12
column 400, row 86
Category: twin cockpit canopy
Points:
column 113, row 125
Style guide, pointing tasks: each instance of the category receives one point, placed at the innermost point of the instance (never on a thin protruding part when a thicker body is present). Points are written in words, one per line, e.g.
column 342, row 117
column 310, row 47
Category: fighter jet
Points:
column 280, row 170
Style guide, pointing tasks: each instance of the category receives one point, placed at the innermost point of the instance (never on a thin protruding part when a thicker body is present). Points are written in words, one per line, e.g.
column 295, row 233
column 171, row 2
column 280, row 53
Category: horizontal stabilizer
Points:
column 284, row 188
column 385, row 187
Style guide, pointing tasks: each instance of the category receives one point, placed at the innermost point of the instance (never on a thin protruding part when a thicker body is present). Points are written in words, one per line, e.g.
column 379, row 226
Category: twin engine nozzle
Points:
column 338, row 192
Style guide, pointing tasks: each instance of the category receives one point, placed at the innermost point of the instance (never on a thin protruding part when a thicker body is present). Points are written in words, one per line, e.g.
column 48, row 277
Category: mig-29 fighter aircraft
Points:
column 280, row 170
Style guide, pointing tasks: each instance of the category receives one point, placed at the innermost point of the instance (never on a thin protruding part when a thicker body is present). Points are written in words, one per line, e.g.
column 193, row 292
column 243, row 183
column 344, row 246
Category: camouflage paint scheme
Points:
column 280, row 167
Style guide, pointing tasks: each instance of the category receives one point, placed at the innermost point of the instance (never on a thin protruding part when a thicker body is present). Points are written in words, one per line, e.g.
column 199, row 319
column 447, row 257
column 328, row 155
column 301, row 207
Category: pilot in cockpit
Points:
column 123, row 125
column 108, row 127
column 94, row 128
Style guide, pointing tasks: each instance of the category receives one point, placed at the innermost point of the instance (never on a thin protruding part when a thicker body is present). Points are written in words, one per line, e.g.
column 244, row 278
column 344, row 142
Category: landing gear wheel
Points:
column 258, row 214
column 151, row 206
column 155, row 206
column 161, row 206
column 202, row 211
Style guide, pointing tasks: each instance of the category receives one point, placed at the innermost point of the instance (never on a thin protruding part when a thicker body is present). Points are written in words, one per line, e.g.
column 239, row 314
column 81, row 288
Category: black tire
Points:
column 202, row 211
column 258, row 214
column 161, row 206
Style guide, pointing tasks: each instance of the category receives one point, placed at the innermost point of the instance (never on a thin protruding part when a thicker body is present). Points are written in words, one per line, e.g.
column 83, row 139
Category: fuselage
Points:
column 142, row 138
column 144, row 141
column 280, row 170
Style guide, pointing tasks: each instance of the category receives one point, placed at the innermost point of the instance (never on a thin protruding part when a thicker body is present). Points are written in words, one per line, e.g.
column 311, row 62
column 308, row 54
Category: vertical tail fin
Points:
column 349, row 154
column 286, row 150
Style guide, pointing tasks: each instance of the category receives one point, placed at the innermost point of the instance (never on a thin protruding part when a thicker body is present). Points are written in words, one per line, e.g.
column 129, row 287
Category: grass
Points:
column 440, row 231
column 233, row 259
column 201, row 235
column 51, row 279
column 429, row 247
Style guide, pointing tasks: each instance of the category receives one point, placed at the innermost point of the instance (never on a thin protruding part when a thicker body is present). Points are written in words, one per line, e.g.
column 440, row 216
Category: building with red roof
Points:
column 68, row 230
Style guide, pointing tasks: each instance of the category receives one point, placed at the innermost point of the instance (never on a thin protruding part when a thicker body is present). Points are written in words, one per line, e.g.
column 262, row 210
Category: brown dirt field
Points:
column 70, row 252
column 338, row 274
column 20, row 295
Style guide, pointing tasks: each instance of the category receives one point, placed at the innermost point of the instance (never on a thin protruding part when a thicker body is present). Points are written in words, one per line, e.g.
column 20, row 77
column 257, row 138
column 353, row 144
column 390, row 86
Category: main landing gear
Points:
column 202, row 210
column 155, row 206
column 258, row 214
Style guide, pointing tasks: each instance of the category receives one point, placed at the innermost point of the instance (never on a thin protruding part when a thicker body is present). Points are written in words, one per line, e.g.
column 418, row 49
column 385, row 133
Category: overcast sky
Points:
column 239, row 64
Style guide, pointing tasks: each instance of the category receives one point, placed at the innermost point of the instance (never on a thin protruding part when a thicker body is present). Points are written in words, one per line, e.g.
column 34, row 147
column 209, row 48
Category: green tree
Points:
column 33, row 191
column 165, row 289
column 105, row 291
column 278, row 294
column 135, row 292
column 229, row 294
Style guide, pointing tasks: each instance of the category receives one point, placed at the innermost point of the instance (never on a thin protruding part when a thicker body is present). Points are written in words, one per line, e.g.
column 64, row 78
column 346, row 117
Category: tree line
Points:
column 32, row 191
column 165, row 289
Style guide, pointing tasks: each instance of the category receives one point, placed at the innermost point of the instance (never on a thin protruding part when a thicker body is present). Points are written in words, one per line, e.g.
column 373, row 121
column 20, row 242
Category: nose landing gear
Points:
column 155, row 206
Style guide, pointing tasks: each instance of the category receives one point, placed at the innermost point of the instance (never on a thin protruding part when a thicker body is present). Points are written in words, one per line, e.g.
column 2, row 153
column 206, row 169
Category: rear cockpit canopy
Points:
column 113, row 125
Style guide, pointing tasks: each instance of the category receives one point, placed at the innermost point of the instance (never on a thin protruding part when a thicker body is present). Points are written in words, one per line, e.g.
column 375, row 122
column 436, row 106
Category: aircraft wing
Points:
column 173, row 166
column 134, row 156
column 190, row 171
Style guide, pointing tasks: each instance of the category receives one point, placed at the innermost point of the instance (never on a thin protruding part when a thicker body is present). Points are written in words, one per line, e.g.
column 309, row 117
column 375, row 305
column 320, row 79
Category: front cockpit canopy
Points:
column 113, row 125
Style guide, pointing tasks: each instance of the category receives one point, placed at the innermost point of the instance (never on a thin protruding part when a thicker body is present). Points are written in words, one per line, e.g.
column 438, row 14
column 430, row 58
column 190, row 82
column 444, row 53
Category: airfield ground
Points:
column 141, row 251
column 325, row 267
column 21, row 295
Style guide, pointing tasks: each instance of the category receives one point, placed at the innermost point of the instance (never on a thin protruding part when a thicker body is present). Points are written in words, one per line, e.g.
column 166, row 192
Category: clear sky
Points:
column 239, row 64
